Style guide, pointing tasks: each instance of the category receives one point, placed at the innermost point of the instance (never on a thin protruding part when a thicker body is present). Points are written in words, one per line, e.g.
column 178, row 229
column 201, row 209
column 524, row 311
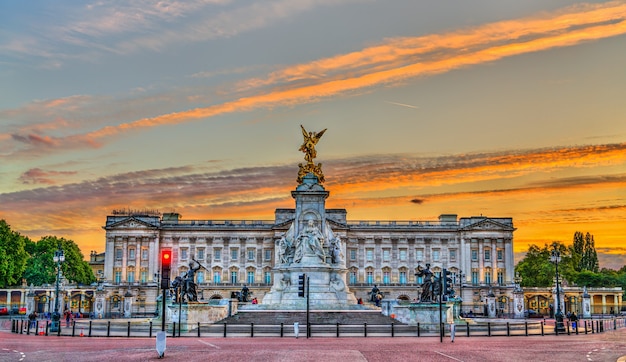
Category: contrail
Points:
column 402, row 104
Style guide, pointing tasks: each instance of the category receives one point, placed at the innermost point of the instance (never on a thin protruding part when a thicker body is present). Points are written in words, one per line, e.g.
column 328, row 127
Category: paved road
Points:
column 608, row 346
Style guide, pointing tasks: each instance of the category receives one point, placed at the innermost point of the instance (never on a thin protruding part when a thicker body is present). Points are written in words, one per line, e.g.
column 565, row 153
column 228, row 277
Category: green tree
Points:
column 590, row 256
column 578, row 248
column 537, row 269
column 41, row 268
column 12, row 256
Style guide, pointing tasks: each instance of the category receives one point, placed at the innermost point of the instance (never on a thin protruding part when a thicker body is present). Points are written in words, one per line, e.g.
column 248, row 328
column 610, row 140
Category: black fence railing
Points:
column 135, row 328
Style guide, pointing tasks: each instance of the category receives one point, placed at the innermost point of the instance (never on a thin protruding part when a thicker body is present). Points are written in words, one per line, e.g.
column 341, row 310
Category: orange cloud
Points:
column 396, row 61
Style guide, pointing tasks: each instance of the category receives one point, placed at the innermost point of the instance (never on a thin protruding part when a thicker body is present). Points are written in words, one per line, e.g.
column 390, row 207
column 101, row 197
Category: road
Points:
column 607, row 346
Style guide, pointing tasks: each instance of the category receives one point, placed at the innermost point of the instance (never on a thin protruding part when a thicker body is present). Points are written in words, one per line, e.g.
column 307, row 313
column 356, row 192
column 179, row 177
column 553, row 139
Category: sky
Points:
column 494, row 108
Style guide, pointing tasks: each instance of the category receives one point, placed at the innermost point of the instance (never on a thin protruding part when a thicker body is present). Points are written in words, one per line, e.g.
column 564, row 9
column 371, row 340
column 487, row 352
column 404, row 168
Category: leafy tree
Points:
column 41, row 268
column 537, row 269
column 12, row 256
column 578, row 247
column 589, row 260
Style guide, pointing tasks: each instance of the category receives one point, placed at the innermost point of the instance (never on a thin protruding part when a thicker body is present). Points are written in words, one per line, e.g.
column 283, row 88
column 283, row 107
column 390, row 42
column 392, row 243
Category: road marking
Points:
column 209, row 344
column 445, row 355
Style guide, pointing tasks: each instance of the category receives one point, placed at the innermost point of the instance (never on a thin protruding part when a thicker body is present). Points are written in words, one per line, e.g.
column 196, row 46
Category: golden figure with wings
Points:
column 308, row 147
column 310, row 140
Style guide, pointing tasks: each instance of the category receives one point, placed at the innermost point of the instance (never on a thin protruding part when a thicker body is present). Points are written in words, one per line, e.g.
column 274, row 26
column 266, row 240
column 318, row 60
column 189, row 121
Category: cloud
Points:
column 391, row 64
column 39, row 176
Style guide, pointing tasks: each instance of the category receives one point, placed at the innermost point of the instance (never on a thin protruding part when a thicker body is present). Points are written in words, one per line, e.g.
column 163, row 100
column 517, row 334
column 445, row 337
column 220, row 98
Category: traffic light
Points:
column 448, row 284
column 301, row 285
column 166, row 265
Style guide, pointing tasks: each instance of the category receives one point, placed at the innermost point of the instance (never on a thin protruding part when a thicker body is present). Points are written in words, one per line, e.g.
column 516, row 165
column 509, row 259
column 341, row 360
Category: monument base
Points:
column 428, row 315
column 192, row 313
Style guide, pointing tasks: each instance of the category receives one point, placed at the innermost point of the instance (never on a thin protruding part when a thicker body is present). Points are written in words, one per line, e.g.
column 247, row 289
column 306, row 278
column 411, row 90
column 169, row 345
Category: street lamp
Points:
column 461, row 279
column 558, row 316
column 58, row 258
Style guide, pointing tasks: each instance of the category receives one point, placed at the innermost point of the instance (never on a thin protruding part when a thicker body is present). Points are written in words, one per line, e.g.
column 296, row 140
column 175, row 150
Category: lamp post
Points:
column 461, row 279
column 558, row 316
column 58, row 258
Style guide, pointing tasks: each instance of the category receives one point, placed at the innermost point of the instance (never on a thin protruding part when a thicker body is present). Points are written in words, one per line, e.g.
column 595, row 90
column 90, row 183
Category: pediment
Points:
column 488, row 224
column 131, row 223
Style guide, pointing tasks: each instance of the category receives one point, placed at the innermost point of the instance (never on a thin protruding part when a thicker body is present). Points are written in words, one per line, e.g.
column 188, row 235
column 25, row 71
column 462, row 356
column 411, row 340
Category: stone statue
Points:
column 245, row 292
column 374, row 293
column 336, row 254
column 310, row 140
column 190, row 282
column 427, row 284
column 336, row 283
column 309, row 242
column 285, row 250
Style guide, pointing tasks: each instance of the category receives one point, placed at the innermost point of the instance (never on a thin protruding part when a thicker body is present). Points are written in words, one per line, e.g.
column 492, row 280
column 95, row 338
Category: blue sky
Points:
column 500, row 108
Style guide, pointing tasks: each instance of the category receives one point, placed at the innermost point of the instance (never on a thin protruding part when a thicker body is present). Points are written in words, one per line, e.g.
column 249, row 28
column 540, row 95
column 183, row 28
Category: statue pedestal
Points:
column 426, row 314
column 190, row 314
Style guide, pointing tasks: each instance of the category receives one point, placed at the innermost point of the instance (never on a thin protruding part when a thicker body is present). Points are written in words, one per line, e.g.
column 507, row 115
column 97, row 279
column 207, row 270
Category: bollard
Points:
column 542, row 328
column 585, row 327
column 365, row 329
column 128, row 331
column 108, row 328
column 252, row 329
column 489, row 329
column 198, row 329
column 89, row 334
column 526, row 328
column 149, row 332
column 392, row 331
column 467, row 328
column 337, row 329
column 418, row 329
column 174, row 329
column 224, row 330
column 508, row 329
column 282, row 329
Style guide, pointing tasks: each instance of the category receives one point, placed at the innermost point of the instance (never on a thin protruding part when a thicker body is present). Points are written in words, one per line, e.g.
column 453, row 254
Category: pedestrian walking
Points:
column 452, row 330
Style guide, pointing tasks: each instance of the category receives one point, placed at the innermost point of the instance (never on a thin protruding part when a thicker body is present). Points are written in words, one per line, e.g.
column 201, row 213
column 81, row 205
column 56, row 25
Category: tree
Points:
column 578, row 247
column 41, row 268
column 12, row 256
column 537, row 269
column 590, row 256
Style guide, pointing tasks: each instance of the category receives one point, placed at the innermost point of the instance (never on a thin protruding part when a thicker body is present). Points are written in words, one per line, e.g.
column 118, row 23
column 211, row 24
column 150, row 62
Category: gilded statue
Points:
column 308, row 147
column 310, row 140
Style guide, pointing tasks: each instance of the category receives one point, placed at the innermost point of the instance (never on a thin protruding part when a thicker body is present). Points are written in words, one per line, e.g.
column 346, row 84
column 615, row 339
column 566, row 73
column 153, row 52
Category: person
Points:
column 360, row 301
column 68, row 316
column 573, row 318
column 32, row 317
column 255, row 301
column 452, row 331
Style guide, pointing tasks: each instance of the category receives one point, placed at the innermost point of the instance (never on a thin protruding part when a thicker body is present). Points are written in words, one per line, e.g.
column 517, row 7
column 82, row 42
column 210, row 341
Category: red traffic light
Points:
column 166, row 258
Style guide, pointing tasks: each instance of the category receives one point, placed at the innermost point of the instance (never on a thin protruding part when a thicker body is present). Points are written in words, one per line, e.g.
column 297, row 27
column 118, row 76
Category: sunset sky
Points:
column 496, row 108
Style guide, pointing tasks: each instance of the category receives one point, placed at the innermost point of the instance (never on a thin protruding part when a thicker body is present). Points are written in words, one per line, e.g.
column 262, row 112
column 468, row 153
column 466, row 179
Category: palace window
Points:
column 268, row 254
column 352, row 254
column 268, row 277
column 386, row 277
column 144, row 275
column 183, row 253
column 402, row 255
column 251, row 253
column 474, row 254
column 487, row 276
column 250, row 277
column 131, row 253
column 118, row 276
column 474, row 277
column 370, row 277
column 200, row 276
column 130, row 275
column 436, row 255
column 500, row 254
column 233, row 253
column 217, row 277
column 218, row 254
column 369, row 255
column 452, row 254
column 201, row 253
column 500, row 278
column 233, row 277
column 352, row 277
column 144, row 254
column 386, row 254
column 403, row 277
column 118, row 254
column 487, row 254
column 419, row 254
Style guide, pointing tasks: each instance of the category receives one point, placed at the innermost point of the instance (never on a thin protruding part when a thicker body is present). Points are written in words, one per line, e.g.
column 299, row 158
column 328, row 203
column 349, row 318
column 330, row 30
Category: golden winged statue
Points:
column 308, row 147
column 310, row 140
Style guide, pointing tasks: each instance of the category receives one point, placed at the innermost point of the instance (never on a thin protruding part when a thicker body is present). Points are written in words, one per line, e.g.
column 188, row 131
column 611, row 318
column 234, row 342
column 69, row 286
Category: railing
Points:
column 134, row 328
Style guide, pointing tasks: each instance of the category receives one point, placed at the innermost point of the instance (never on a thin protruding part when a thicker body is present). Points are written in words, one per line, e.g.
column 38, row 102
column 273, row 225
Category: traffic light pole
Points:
column 441, row 286
column 308, row 309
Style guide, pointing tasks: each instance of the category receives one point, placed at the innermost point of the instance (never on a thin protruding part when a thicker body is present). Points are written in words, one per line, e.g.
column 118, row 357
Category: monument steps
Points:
column 371, row 317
